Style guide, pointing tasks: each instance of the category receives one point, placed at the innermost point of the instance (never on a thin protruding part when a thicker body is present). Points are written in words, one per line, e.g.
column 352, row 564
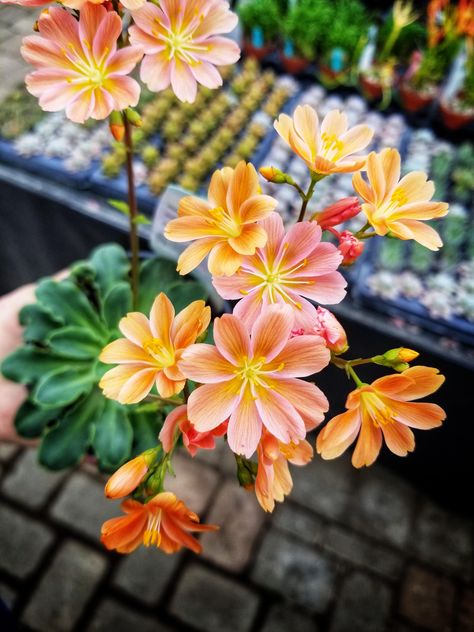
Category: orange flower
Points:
column 273, row 481
column 329, row 149
column 224, row 227
column 129, row 476
column 399, row 206
column 383, row 409
column 164, row 522
column 151, row 349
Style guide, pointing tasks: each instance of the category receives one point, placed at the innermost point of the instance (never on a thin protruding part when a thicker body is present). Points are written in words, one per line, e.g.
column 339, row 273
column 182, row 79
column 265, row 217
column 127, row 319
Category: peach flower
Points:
column 177, row 421
column 164, row 522
column 182, row 44
column 149, row 353
column 292, row 267
column 329, row 149
column 383, row 410
column 79, row 68
column 273, row 481
column 128, row 477
column 251, row 379
column 399, row 207
column 225, row 226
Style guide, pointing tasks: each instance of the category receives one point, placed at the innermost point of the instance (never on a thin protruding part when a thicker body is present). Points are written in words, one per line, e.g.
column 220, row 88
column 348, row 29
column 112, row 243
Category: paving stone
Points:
column 383, row 506
column 302, row 575
column 146, row 573
column 360, row 552
column 221, row 457
column 194, row 482
column 443, row 540
column 240, row 518
column 7, row 595
column 7, row 451
column 63, row 591
column 113, row 616
column 212, row 603
column 362, row 606
column 282, row 619
column 299, row 522
column 324, row 486
column 82, row 505
column 29, row 482
column 466, row 611
column 23, row 542
column 427, row 600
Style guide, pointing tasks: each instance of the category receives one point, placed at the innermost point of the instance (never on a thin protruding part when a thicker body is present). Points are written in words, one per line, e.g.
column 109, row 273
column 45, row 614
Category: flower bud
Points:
column 128, row 477
column 350, row 247
column 397, row 359
column 338, row 213
column 116, row 125
column 272, row 174
column 328, row 327
column 246, row 472
column 133, row 117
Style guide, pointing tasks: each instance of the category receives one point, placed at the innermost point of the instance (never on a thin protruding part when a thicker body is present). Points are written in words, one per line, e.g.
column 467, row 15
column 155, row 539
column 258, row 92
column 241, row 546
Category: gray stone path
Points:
column 348, row 552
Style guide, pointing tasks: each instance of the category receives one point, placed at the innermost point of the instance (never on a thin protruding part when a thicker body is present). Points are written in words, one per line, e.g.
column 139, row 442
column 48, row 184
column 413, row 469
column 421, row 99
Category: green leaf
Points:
column 76, row 342
column 156, row 275
column 28, row 364
column 146, row 428
column 113, row 436
column 37, row 322
column 63, row 386
column 65, row 444
column 121, row 206
column 117, row 303
column 112, row 266
column 66, row 301
column 30, row 420
column 185, row 292
column 142, row 219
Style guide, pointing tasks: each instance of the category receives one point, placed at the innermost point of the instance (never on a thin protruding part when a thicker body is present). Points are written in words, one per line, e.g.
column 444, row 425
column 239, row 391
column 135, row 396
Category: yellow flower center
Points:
column 399, row 197
column 376, row 409
column 252, row 371
column 162, row 354
column 226, row 224
column 92, row 70
column 180, row 44
column 332, row 146
column 152, row 533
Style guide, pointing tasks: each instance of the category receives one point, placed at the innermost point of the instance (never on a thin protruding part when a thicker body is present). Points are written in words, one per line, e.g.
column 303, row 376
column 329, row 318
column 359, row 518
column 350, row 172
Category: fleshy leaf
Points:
column 112, row 266
column 76, row 342
column 116, row 304
column 28, row 364
column 63, row 386
column 31, row 420
column 113, row 436
column 65, row 444
column 37, row 323
column 146, row 428
column 185, row 292
column 156, row 275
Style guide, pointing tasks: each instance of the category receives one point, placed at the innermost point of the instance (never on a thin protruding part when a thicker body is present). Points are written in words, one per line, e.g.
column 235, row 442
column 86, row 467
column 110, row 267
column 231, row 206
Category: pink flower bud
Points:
column 350, row 247
column 338, row 213
column 328, row 327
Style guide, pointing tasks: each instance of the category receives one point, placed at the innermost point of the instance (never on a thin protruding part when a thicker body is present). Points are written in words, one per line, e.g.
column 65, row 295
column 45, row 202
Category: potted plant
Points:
column 260, row 20
column 458, row 110
column 301, row 42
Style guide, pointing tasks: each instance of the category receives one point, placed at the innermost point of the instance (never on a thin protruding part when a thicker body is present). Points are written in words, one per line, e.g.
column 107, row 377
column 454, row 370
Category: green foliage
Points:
column 435, row 64
column 65, row 330
column 327, row 25
column 263, row 13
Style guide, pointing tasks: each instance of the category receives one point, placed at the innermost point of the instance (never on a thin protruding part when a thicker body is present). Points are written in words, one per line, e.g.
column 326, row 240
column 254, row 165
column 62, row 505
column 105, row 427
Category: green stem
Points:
column 166, row 400
column 133, row 210
column 354, row 376
column 307, row 196
column 389, row 43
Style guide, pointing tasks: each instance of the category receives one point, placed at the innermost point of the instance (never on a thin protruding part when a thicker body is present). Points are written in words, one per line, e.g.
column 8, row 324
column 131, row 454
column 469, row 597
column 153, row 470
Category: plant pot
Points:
column 454, row 119
column 294, row 65
column 371, row 88
column 258, row 52
column 329, row 77
column 414, row 101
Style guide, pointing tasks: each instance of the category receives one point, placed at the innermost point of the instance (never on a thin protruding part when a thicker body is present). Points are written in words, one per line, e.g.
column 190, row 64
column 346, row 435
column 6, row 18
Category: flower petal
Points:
column 231, row 338
column 211, row 404
column 122, row 351
column 271, row 332
column 245, row 427
column 279, row 417
column 204, row 364
column 301, row 356
column 136, row 327
column 137, row 387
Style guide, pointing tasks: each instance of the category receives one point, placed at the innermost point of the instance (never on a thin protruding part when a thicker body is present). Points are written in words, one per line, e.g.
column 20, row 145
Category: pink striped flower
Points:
column 79, row 68
column 74, row 4
column 251, row 379
column 289, row 269
column 182, row 44
column 177, row 422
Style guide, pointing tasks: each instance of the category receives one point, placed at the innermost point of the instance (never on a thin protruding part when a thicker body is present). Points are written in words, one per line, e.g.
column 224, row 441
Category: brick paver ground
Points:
column 369, row 554
column 346, row 552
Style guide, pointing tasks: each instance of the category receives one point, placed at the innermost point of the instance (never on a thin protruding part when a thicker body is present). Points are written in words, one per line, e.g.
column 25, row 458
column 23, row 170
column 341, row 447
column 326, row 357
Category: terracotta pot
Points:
column 259, row 53
column 371, row 88
column 412, row 100
column 454, row 119
column 294, row 65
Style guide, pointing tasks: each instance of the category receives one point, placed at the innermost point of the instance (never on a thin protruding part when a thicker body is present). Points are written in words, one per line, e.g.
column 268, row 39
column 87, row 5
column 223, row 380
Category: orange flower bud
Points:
column 116, row 125
column 127, row 478
column 397, row 359
column 272, row 174
column 338, row 213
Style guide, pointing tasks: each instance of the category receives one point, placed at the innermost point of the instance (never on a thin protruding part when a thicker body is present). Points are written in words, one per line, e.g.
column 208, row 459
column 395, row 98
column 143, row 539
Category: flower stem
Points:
column 308, row 195
column 133, row 210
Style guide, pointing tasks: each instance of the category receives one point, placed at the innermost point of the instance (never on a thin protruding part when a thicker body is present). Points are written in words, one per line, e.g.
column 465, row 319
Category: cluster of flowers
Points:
column 248, row 384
